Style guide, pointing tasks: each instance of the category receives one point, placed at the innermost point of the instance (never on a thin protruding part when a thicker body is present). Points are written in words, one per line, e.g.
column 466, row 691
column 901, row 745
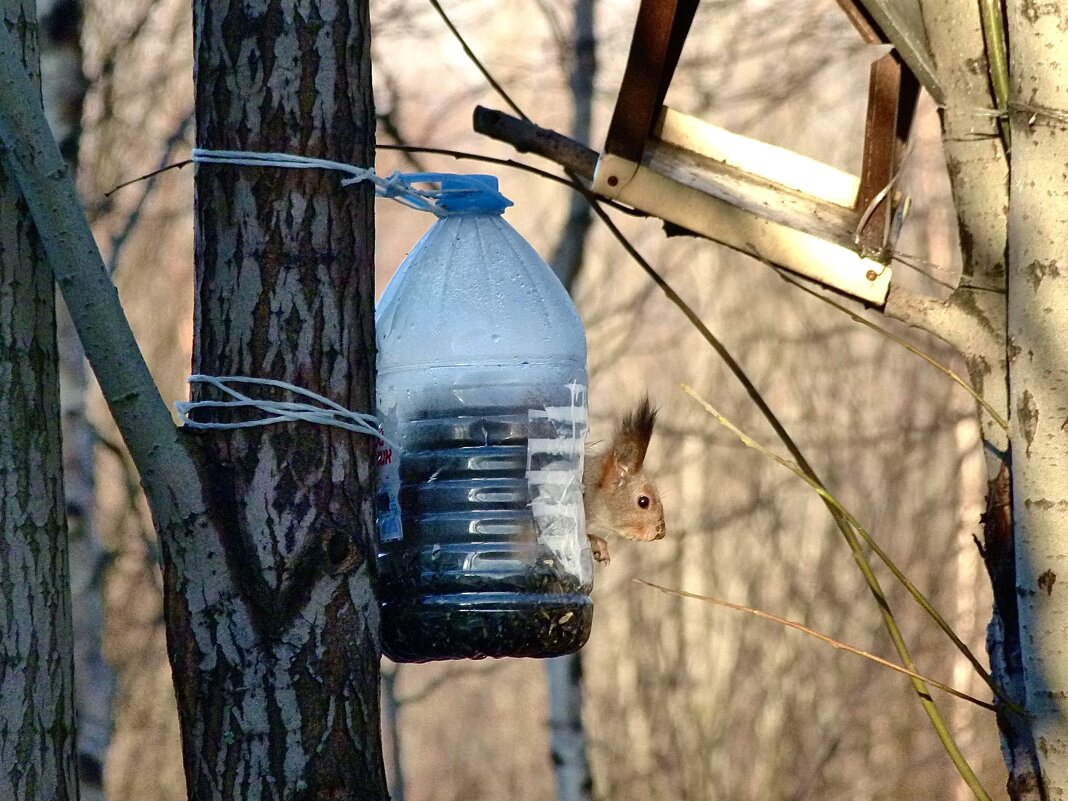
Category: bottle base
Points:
column 483, row 624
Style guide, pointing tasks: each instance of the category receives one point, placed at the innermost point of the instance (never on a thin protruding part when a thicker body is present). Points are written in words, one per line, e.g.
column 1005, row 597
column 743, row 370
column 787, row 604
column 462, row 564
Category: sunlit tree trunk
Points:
column 974, row 319
column 1038, row 368
column 1016, row 353
column 278, row 686
column 37, row 737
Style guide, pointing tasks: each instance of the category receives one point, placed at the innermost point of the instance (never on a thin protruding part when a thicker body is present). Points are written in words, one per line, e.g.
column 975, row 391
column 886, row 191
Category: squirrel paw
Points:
column 599, row 546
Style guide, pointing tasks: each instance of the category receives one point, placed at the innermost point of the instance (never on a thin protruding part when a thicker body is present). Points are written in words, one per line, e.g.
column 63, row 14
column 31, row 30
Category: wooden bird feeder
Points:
column 793, row 211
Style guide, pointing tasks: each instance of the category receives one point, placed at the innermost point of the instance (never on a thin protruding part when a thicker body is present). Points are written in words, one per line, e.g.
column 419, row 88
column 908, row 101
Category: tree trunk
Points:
column 391, row 733
column 271, row 617
column 278, row 685
column 1038, row 368
column 63, row 86
column 563, row 675
column 567, row 734
column 566, row 259
column 37, row 737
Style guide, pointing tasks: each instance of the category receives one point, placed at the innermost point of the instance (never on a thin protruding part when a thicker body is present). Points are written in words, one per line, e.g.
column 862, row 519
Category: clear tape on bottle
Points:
column 555, row 484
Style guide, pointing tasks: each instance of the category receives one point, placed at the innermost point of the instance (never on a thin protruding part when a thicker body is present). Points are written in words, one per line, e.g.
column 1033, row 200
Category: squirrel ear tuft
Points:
column 632, row 436
column 613, row 471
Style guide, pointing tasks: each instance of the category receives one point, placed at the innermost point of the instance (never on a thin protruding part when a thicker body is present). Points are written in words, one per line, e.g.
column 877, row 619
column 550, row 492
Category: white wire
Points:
column 333, row 414
column 396, row 186
column 393, row 186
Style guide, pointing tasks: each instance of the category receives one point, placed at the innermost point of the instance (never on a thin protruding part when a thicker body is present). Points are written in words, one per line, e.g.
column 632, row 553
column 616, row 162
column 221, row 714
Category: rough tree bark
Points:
column 63, row 86
column 284, row 290
column 37, row 737
column 271, row 617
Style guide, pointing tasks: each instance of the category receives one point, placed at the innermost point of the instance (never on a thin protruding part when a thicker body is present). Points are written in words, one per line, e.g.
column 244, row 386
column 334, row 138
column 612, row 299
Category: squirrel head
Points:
column 619, row 496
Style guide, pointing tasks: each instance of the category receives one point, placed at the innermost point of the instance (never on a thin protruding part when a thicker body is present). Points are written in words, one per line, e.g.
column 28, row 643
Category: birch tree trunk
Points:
column 974, row 320
column 278, row 690
column 37, row 736
column 1038, row 367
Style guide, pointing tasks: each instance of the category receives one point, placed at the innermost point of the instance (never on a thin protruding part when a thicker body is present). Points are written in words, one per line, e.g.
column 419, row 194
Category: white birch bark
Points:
column 37, row 737
column 974, row 320
column 1038, row 367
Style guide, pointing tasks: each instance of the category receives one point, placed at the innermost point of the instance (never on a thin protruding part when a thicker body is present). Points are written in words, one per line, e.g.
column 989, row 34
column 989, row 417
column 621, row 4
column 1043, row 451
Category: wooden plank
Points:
column 722, row 186
column 754, row 232
column 659, row 34
column 774, row 201
column 880, row 153
column 770, row 162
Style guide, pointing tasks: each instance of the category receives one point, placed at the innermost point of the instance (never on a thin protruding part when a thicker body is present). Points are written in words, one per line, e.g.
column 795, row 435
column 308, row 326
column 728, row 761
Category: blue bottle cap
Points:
column 465, row 194
column 471, row 194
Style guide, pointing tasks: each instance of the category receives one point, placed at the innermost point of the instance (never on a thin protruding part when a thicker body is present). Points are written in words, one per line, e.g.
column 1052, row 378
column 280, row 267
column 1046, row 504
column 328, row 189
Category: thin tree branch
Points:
column 475, row 60
column 118, row 241
column 34, row 161
column 838, row 644
column 952, row 375
column 933, row 713
column 835, row 504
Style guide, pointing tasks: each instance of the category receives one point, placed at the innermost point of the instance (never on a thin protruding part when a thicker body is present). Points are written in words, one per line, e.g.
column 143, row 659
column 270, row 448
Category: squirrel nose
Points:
column 660, row 534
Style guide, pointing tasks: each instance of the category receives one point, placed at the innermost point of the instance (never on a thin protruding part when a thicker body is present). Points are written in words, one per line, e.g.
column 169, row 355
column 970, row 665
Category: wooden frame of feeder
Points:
column 784, row 208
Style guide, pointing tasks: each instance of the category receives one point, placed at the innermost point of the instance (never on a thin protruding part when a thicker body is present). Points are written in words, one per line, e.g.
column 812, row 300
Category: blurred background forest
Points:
column 683, row 700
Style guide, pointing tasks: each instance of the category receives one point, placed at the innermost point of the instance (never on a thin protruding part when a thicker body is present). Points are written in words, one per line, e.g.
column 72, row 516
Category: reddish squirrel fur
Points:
column 619, row 497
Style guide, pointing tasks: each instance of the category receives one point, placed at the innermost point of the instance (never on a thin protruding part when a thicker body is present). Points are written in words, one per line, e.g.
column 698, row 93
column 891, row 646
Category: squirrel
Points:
column 619, row 497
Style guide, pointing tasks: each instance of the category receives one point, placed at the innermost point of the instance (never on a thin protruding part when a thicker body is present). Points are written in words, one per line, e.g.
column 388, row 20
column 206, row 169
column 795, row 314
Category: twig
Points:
column 1040, row 111
column 925, row 268
column 929, row 706
column 439, row 151
column 952, row 375
column 997, row 59
column 119, row 240
column 860, row 531
column 475, row 60
column 823, row 638
column 526, row 137
column 176, row 166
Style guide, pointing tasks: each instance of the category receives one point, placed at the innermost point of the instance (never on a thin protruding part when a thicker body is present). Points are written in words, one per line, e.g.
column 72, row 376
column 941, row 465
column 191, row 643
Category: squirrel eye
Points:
column 643, row 501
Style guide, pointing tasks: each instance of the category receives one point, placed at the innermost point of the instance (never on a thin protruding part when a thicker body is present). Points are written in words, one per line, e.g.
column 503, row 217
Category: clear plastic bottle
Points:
column 482, row 389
